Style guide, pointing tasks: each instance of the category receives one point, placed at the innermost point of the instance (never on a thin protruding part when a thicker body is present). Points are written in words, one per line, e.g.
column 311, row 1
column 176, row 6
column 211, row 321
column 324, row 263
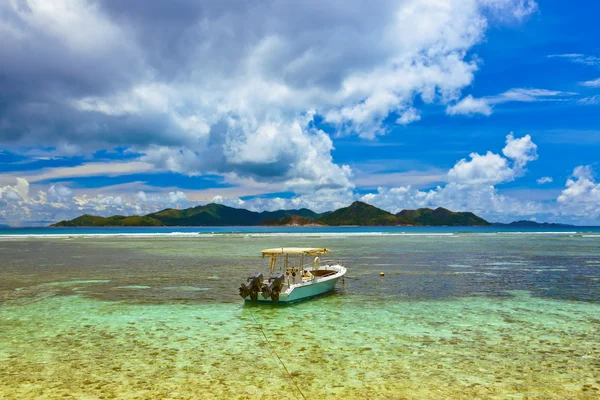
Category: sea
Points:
column 154, row 313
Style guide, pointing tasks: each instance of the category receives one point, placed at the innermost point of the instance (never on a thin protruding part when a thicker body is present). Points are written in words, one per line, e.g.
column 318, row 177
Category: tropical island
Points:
column 532, row 224
column 358, row 213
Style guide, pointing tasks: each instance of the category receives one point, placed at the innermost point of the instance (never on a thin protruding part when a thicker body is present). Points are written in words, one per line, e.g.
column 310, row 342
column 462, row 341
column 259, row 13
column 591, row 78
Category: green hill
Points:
column 116, row 220
column 359, row 213
column 220, row 215
column 438, row 217
column 207, row 215
column 533, row 224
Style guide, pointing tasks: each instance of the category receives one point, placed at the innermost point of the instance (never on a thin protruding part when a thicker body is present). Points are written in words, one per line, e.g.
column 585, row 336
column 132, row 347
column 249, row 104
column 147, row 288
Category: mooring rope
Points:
column 277, row 355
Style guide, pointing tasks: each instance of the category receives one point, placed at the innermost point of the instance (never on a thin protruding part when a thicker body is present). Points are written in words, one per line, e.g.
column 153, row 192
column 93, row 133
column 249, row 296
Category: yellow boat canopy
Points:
column 307, row 251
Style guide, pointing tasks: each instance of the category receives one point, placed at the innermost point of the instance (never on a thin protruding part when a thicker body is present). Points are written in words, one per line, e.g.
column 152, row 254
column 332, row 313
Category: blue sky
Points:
column 490, row 106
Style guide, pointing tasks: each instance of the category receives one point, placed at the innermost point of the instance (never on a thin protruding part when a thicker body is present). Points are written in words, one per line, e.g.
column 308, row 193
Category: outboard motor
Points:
column 252, row 287
column 273, row 288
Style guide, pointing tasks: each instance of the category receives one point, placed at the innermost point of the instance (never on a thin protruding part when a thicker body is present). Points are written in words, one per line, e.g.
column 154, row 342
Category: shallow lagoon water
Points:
column 464, row 315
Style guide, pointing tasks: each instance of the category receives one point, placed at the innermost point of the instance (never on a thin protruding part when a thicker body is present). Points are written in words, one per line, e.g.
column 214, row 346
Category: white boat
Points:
column 290, row 279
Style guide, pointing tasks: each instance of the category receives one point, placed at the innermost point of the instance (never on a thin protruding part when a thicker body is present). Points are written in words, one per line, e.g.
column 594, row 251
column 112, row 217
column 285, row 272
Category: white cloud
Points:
column 22, row 187
column 483, row 200
column 593, row 83
column 521, row 151
column 83, row 170
column 320, row 201
column 174, row 197
column 375, row 179
column 491, row 168
column 468, row 106
column 471, row 185
column 487, row 169
column 18, row 207
column 408, row 116
column 578, row 58
column 526, row 95
column 590, row 101
column 582, row 194
column 230, row 202
column 544, row 179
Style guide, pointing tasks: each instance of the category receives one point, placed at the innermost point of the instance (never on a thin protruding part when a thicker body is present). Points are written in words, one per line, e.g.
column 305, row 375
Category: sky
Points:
column 110, row 107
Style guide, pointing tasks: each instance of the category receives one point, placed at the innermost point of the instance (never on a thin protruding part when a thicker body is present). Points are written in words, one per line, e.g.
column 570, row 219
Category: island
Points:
column 358, row 213
column 532, row 224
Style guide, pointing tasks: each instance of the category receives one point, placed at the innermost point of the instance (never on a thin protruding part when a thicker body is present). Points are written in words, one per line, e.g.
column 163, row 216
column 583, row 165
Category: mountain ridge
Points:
column 533, row 224
column 358, row 213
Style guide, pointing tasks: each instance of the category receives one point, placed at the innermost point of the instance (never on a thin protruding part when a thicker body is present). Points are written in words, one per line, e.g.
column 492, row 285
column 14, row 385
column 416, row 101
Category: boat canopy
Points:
column 307, row 251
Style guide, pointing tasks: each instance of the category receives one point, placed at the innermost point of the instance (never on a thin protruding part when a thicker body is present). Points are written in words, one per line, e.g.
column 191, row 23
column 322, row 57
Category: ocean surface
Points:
column 153, row 313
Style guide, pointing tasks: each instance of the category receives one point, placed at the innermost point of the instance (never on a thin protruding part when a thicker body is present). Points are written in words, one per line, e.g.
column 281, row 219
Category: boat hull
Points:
column 305, row 290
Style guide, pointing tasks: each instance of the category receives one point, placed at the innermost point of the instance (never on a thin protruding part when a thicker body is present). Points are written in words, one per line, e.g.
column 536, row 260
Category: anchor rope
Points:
column 277, row 355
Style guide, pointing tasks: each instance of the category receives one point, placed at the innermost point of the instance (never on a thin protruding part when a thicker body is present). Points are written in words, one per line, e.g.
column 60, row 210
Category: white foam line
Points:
column 590, row 236
column 98, row 235
column 537, row 233
column 342, row 234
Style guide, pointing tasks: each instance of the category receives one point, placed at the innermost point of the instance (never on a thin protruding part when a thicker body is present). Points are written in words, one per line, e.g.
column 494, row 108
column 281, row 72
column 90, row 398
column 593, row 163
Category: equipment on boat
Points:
column 294, row 279
column 252, row 287
column 273, row 288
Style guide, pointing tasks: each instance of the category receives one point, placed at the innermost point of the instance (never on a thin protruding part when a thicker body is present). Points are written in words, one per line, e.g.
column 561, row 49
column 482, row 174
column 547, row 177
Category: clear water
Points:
column 462, row 315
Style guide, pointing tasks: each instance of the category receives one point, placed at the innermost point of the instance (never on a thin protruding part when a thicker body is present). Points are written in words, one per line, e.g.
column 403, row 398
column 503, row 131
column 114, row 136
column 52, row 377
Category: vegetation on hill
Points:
column 532, row 224
column 439, row 216
column 220, row 215
column 116, row 220
column 291, row 220
column 208, row 215
column 358, row 213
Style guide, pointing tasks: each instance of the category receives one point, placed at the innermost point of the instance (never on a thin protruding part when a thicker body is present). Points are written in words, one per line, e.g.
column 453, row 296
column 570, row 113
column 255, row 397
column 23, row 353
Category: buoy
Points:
column 381, row 274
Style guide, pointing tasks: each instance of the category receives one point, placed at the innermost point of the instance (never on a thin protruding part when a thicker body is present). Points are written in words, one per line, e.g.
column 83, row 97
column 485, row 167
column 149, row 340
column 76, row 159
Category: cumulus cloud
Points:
column 174, row 198
column 468, row 106
column 581, row 196
column 471, row 185
column 408, row 116
column 582, row 193
column 521, row 151
column 487, row 169
column 232, row 88
column 18, row 207
column 484, row 200
column 544, row 179
column 319, row 201
column 491, row 168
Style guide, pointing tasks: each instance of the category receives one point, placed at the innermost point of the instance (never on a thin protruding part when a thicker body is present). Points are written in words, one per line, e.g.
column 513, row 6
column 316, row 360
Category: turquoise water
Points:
column 457, row 315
